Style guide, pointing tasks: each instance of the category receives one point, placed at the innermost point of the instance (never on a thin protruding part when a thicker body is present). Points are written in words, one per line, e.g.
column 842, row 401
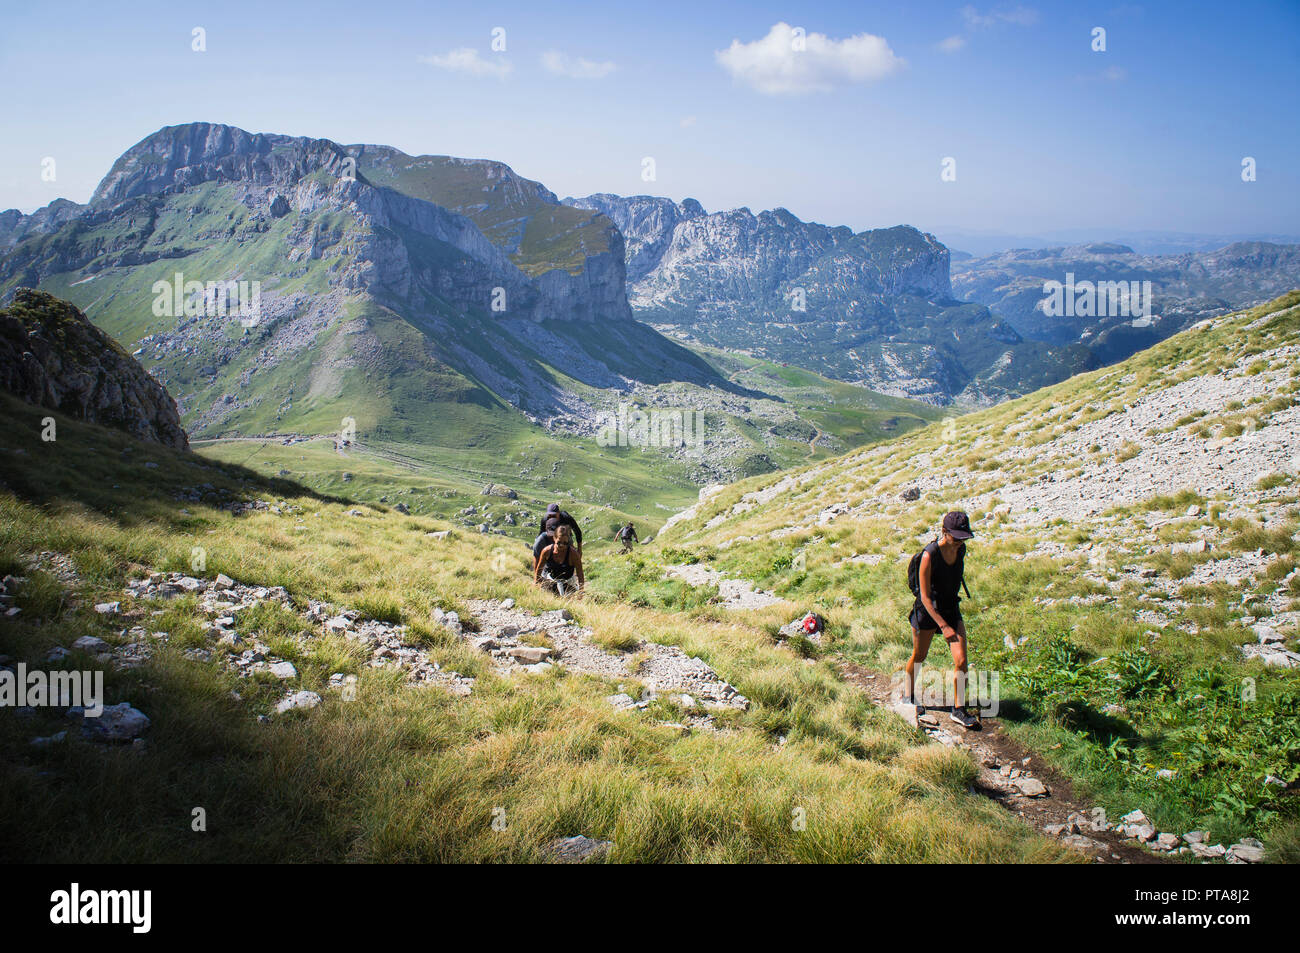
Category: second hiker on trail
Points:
column 558, row 562
column 627, row 536
column 555, row 517
column 935, row 577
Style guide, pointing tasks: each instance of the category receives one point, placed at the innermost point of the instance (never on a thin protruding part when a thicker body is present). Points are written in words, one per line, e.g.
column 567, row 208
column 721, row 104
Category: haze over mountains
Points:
column 1186, row 288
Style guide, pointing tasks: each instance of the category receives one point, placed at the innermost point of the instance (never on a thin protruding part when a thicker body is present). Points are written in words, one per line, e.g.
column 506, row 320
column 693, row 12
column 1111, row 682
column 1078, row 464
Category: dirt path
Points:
column 812, row 444
column 994, row 752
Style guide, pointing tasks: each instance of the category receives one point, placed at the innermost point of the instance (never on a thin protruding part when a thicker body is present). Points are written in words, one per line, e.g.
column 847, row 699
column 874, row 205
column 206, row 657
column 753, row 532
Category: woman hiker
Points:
column 558, row 562
column 937, row 609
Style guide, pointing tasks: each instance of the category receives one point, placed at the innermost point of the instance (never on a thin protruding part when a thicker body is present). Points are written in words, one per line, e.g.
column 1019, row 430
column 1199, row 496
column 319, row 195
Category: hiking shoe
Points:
column 962, row 718
column 909, row 700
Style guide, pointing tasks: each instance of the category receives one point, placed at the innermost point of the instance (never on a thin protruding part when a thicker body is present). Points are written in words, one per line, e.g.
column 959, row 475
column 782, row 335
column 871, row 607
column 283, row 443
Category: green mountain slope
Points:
column 1134, row 574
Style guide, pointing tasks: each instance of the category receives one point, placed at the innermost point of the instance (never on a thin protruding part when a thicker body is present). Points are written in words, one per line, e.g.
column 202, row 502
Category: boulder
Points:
column 118, row 723
column 302, row 699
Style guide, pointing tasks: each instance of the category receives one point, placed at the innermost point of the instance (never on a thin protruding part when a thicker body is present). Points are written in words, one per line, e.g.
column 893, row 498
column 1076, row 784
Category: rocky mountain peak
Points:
column 177, row 157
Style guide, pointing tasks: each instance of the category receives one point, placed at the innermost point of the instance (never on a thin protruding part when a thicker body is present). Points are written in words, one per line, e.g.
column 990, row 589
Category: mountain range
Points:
column 875, row 308
column 298, row 286
column 1186, row 288
column 445, row 309
column 889, row 309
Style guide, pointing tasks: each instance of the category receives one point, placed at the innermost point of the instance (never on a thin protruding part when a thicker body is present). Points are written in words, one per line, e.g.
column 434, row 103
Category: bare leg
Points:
column 920, row 649
column 958, row 647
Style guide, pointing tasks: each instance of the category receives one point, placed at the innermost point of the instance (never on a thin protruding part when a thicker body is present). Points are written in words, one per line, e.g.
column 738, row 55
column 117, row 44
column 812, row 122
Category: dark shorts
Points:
column 922, row 621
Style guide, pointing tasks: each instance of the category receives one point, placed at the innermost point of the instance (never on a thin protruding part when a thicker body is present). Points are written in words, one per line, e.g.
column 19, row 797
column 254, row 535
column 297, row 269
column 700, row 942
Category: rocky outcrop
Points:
column 52, row 356
column 647, row 223
column 178, row 157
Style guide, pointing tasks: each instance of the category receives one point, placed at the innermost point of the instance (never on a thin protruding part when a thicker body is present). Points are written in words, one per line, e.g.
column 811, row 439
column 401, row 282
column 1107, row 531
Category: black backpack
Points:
column 914, row 571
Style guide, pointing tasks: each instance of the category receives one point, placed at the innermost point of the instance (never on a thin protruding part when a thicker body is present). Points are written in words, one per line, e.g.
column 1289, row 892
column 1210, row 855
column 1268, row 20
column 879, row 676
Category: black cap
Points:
column 957, row 525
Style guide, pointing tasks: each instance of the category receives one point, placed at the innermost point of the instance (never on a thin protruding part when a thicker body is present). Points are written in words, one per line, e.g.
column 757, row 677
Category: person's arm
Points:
column 582, row 579
column 541, row 560
column 927, row 601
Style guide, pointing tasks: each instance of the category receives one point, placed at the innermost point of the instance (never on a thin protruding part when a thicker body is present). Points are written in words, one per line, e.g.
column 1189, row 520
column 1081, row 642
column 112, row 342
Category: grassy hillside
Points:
column 1133, row 524
column 414, row 773
column 837, row 415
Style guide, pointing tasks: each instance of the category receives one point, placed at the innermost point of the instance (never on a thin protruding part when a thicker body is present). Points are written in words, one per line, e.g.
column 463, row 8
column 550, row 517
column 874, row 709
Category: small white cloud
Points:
column 952, row 44
column 561, row 64
column 688, row 121
column 1020, row 16
column 787, row 61
column 465, row 59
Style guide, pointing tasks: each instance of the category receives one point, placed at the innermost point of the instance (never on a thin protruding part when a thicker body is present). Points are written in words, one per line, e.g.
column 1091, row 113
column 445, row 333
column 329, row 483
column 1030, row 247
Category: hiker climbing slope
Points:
column 935, row 577
column 627, row 536
column 559, row 562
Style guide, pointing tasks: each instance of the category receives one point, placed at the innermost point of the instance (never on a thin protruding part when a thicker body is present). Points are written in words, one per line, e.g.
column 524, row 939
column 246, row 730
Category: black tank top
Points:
column 945, row 580
column 558, row 570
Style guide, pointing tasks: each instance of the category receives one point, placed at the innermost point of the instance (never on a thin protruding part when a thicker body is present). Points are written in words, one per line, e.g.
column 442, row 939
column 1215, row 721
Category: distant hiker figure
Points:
column 627, row 536
column 559, row 562
column 546, row 532
column 935, row 578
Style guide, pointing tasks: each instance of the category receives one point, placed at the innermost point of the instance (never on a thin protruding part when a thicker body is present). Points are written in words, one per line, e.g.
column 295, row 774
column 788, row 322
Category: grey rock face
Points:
column 874, row 307
column 647, row 223
column 176, row 157
column 52, row 356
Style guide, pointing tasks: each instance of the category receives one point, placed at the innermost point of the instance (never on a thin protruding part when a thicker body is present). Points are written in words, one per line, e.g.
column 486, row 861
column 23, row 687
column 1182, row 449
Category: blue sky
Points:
column 1047, row 134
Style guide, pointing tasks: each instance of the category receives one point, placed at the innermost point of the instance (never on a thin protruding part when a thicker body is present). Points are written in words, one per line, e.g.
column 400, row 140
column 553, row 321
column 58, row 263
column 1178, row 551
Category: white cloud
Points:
column 1021, row 16
column 952, row 44
column 465, row 59
column 562, row 64
column 786, row 61
column 688, row 121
